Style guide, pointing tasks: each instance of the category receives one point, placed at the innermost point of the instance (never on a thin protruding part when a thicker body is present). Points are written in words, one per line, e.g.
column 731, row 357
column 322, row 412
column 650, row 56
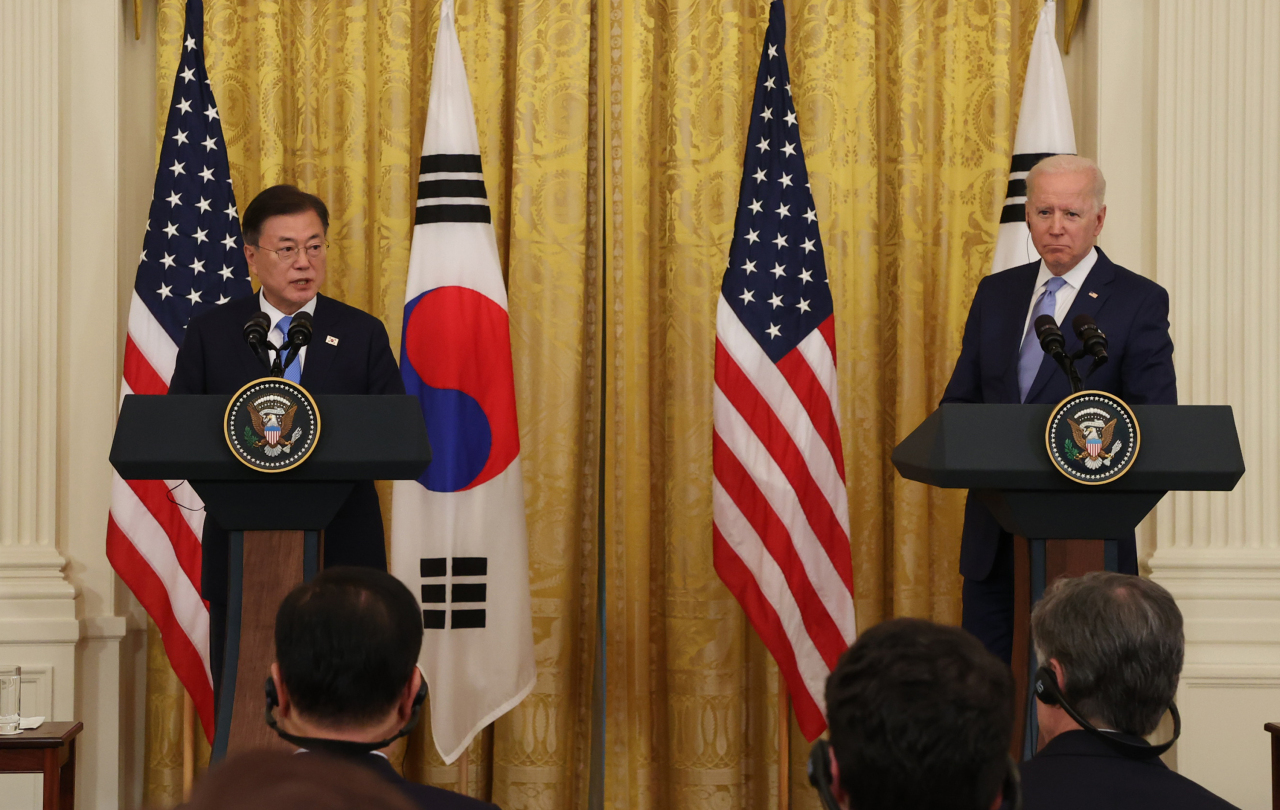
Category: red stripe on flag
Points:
column 746, row 399
column 799, row 375
column 187, row 664
column 742, row 490
column 737, row 577
column 138, row 373
column 186, row 546
column 828, row 330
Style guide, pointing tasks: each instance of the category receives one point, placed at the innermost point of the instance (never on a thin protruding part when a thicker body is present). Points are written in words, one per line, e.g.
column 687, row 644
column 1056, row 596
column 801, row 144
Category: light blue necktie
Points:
column 294, row 372
column 1031, row 355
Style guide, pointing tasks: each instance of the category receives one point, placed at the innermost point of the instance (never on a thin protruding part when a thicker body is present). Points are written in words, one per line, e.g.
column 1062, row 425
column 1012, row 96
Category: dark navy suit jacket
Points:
column 214, row 359
column 1077, row 770
column 1133, row 312
column 426, row 797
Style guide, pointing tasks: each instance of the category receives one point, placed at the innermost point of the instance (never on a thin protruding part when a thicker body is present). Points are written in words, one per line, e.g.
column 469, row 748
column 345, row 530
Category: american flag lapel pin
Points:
column 331, row 340
column 1091, row 295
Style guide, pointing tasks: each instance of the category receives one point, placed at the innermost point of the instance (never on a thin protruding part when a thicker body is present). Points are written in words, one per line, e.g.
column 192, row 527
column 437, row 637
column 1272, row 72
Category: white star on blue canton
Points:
column 747, row 296
column 184, row 106
column 755, row 206
column 753, row 236
column 164, row 292
column 776, row 300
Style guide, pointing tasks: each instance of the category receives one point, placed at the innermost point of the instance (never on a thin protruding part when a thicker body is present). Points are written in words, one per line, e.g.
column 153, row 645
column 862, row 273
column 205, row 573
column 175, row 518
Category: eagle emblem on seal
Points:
column 1091, row 437
column 272, row 419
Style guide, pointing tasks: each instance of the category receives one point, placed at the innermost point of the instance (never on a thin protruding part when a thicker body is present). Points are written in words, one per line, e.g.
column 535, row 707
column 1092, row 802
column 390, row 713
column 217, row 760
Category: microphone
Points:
column 1050, row 337
column 1095, row 342
column 255, row 334
column 300, row 329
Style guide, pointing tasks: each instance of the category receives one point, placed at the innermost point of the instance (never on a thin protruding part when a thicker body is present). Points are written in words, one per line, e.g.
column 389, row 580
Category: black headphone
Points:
column 819, row 768
column 1048, row 693
column 342, row 747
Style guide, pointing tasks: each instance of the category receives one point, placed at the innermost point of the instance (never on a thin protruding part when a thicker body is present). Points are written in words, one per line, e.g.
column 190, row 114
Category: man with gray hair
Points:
column 1001, row 360
column 1111, row 647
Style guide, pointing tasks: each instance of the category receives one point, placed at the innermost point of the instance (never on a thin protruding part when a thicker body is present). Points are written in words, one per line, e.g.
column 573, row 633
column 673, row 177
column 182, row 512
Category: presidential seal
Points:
column 1092, row 437
column 272, row 424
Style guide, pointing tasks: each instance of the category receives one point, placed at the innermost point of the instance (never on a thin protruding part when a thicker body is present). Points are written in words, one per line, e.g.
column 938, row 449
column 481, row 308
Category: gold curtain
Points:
column 332, row 96
column 906, row 112
column 906, row 109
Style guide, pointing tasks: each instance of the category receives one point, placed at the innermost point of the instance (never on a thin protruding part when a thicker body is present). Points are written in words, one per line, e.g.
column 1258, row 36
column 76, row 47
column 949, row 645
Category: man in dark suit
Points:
column 1001, row 359
column 284, row 232
column 1113, row 644
column 346, row 677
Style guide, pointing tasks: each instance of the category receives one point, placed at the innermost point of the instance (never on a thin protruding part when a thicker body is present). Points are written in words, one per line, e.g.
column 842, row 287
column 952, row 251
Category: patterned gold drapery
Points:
column 906, row 115
column 627, row 118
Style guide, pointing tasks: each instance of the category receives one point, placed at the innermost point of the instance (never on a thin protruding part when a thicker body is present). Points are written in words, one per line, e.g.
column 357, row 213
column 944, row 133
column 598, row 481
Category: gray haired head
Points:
column 1120, row 643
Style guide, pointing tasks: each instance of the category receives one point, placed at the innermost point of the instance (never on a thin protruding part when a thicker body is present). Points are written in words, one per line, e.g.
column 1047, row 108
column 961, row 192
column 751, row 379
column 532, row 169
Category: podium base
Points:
column 262, row 568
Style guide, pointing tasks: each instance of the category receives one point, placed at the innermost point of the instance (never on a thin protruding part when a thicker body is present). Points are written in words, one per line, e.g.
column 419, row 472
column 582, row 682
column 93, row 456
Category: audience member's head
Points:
column 347, row 647
column 1114, row 642
column 920, row 717
column 273, row 780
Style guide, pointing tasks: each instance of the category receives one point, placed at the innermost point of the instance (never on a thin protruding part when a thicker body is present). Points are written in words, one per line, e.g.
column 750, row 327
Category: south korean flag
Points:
column 1044, row 129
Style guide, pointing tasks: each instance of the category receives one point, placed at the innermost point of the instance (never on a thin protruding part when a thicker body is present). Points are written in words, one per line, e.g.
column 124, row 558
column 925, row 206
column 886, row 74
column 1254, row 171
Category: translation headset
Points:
column 820, row 777
column 344, row 747
column 1048, row 693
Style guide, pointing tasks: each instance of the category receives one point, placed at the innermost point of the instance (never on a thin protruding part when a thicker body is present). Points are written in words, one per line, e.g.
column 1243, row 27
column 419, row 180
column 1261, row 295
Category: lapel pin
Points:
column 331, row 340
column 1091, row 295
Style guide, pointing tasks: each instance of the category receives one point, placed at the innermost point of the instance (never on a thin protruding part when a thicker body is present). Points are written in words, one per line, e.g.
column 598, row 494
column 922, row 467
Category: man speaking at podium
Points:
column 1001, row 360
column 285, row 231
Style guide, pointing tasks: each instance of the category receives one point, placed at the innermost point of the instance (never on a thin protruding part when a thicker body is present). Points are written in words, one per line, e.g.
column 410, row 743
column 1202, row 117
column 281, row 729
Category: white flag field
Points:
column 458, row 536
column 1044, row 129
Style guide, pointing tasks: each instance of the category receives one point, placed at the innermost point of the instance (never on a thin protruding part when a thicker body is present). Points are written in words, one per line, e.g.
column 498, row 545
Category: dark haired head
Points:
column 277, row 201
column 347, row 643
column 920, row 716
column 1119, row 640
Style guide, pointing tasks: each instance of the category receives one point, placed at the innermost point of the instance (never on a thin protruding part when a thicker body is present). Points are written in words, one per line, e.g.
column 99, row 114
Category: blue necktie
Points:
column 1031, row 355
column 294, row 372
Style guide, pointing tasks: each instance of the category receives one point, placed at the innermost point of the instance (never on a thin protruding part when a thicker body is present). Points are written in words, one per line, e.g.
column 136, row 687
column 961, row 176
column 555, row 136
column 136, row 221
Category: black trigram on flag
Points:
column 451, row 189
column 440, row 600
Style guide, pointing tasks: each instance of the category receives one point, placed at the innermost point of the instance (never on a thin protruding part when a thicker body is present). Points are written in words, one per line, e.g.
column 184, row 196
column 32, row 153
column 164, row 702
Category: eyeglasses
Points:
column 289, row 253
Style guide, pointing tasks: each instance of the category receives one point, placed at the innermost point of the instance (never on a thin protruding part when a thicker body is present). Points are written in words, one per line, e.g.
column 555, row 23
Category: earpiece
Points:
column 820, row 773
column 1048, row 693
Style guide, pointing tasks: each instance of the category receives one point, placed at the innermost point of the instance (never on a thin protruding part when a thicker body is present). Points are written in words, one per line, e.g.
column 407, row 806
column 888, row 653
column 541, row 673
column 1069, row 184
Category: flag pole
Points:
column 784, row 749
column 464, row 780
column 188, row 745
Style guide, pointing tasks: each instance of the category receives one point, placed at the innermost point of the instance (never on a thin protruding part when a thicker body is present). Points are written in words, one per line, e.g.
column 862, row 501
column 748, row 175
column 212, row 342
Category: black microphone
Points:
column 255, row 334
column 1050, row 337
column 1093, row 338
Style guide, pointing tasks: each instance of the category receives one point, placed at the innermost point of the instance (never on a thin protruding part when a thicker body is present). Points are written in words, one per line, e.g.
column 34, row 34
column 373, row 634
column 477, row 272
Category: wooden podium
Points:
column 275, row 520
column 998, row 452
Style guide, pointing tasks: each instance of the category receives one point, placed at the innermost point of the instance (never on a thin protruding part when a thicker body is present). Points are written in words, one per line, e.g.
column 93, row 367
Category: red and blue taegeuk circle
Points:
column 456, row 359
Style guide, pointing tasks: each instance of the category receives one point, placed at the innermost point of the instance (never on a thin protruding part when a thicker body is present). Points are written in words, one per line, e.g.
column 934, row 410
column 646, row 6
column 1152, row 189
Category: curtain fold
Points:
column 906, row 111
column 612, row 133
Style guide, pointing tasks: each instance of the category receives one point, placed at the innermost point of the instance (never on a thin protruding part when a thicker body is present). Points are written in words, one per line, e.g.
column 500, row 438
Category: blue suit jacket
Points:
column 214, row 359
column 1133, row 312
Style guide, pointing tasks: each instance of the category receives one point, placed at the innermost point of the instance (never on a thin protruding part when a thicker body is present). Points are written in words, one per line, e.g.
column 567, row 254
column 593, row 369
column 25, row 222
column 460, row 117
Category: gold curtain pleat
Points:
column 332, row 96
column 906, row 111
column 627, row 118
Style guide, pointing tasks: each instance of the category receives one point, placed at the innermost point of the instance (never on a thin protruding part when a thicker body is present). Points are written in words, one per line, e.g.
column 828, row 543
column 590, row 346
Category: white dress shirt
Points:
column 1066, row 295
column 278, row 338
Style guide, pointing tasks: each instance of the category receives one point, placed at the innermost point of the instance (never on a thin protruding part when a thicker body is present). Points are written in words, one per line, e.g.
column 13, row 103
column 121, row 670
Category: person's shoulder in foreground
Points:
column 426, row 796
column 1077, row 770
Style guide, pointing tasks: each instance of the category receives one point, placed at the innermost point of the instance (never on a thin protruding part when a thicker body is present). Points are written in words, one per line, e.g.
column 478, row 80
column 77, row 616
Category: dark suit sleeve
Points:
column 1146, row 373
column 966, row 379
column 384, row 374
column 188, row 369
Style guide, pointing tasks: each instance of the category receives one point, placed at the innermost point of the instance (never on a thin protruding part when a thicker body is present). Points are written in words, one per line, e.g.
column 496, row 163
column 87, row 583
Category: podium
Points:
column 999, row 453
column 274, row 520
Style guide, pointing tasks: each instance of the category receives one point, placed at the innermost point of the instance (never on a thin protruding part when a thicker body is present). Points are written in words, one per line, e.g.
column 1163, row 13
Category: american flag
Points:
column 781, row 533
column 192, row 261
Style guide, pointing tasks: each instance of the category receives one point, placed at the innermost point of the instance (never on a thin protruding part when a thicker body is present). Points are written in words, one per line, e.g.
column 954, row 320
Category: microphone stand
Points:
column 1067, row 362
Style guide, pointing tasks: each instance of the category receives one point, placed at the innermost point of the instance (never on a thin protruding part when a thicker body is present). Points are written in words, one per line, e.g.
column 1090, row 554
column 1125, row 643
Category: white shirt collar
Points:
column 1074, row 277
column 310, row 308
